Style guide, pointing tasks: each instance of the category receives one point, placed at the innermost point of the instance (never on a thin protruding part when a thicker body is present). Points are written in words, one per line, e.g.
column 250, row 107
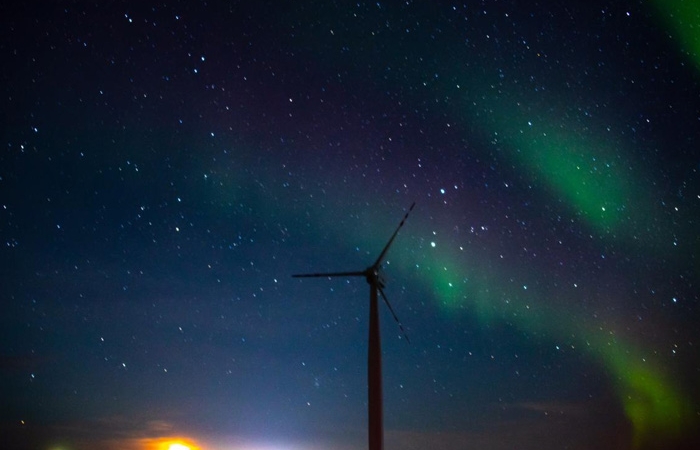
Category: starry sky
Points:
column 167, row 167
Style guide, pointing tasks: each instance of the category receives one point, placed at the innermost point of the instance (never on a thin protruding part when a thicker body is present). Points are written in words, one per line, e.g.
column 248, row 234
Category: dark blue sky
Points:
column 167, row 167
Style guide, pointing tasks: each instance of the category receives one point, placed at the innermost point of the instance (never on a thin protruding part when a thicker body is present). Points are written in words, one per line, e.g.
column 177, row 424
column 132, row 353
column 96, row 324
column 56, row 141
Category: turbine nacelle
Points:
column 374, row 277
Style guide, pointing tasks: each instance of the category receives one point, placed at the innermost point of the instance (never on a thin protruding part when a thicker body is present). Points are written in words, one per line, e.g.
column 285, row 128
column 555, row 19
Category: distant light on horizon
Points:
column 171, row 443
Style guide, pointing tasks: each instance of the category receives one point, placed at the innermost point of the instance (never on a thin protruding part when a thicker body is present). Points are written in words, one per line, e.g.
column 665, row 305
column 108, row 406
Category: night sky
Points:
column 166, row 168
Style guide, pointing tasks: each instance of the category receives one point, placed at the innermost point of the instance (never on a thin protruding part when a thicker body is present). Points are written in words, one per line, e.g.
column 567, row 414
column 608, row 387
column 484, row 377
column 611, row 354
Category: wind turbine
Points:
column 374, row 356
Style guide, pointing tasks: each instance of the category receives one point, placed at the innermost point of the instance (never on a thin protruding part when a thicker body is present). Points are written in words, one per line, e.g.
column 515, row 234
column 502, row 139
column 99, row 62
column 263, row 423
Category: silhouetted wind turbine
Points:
column 374, row 356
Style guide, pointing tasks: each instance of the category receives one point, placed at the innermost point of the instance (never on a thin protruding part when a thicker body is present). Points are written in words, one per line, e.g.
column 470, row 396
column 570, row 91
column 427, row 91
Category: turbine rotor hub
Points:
column 374, row 277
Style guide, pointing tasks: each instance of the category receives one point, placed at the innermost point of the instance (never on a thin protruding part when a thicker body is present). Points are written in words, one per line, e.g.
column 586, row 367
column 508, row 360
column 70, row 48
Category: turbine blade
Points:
column 388, row 244
column 381, row 291
column 331, row 274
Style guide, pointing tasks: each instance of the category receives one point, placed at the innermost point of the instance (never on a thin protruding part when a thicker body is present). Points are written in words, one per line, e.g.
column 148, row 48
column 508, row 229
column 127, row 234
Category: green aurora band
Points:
column 683, row 16
column 564, row 157
column 655, row 408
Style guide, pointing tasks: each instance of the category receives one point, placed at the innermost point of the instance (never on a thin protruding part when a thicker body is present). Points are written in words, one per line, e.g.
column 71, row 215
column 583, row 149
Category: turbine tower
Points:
column 374, row 356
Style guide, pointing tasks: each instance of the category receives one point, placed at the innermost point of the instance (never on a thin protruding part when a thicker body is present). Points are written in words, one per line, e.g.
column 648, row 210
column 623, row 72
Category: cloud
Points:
column 107, row 433
column 527, row 425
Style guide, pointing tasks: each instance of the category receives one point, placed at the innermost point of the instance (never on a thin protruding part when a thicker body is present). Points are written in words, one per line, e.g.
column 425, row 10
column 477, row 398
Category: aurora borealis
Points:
column 168, row 167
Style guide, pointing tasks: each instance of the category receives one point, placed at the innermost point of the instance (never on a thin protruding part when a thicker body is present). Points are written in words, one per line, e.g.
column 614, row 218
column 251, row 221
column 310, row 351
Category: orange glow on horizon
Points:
column 178, row 446
column 170, row 443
